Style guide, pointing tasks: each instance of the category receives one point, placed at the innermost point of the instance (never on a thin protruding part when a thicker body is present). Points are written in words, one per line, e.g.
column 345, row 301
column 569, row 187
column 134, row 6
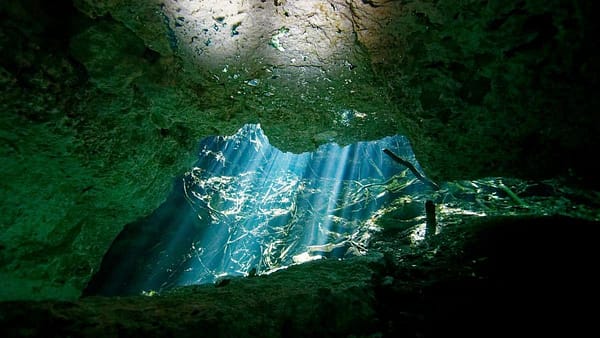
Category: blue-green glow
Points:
column 247, row 206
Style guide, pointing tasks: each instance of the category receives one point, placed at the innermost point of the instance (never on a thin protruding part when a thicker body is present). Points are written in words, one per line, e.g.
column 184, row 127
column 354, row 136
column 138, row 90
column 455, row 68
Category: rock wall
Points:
column 501, row 88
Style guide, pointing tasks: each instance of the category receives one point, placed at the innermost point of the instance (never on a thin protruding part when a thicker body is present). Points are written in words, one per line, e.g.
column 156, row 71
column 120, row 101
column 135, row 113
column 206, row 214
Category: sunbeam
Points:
column 248, row 208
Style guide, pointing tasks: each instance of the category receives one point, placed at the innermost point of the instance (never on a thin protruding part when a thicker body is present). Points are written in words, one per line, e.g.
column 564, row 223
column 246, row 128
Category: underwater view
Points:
column 248, row 209
column 299, row 168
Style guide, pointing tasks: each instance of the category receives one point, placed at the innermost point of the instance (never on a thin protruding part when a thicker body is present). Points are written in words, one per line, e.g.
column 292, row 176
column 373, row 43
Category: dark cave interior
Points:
column 185, row 168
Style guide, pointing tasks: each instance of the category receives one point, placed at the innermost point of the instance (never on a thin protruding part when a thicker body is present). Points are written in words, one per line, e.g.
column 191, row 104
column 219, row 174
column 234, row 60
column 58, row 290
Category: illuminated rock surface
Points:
column 103, row 102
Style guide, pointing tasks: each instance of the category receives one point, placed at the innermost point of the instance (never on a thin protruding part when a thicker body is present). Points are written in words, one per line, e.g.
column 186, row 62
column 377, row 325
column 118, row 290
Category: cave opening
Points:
column 246, row 208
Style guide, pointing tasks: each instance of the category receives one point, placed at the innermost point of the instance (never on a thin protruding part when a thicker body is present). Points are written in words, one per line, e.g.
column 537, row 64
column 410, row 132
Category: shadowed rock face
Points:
column 103, row 102
column 487, row 277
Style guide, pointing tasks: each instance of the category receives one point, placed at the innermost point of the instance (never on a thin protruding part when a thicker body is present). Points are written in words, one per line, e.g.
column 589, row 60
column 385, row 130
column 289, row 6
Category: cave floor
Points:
column 484, row 276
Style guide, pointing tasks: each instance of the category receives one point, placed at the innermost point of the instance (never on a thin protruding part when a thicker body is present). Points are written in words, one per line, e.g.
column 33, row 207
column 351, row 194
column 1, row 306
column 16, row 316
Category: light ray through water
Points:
column 247, row 206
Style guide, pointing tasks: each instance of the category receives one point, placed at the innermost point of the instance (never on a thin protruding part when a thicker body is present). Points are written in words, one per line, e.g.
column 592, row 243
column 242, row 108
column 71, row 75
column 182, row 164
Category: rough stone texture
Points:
column 487, row 277
column 81, row 158
column 144, row 17
column 482, row 88
column 102, row 106
column 498, row 87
